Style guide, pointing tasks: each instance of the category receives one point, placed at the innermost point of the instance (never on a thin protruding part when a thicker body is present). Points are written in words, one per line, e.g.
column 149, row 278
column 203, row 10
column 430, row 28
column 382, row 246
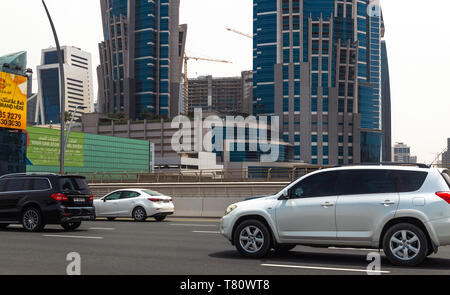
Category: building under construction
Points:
column 226, row 96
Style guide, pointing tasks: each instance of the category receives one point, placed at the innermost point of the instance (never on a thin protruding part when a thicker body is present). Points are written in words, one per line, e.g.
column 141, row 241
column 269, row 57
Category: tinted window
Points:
column 74, row 183
column 16, row 185
column 113, row 196
column 446, row 175
column 409, row 181
column 129, row 195
column 318, row 185
column 40, row 184
column 152, row 193
column 357, row 182
column 2, row 185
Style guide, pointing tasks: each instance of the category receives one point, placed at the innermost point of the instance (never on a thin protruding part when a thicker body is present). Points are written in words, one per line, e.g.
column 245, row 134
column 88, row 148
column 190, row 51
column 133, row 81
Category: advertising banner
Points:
column 43, row 149
column 13, row 101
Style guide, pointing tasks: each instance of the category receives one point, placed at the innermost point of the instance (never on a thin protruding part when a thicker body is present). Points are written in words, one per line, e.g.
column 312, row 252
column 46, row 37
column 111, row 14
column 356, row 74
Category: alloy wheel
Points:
column 405, row 245
column 251, row 239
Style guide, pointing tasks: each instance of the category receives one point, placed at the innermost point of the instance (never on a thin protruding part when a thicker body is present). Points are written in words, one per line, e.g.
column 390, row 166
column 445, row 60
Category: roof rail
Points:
column 418, row 165
column 27, row 174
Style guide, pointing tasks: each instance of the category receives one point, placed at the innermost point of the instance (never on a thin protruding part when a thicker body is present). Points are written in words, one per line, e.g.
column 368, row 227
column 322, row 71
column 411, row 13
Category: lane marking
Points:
column 186, row 224
column 101, row 228
column 325, row 268
column 72, row 237
column 206, row 232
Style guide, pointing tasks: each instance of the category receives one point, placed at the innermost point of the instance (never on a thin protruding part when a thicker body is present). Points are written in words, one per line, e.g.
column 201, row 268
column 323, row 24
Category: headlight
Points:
column 230, row 209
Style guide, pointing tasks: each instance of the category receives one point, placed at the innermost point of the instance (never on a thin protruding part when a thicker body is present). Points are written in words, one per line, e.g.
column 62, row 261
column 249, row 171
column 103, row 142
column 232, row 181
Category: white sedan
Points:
column 139, row 204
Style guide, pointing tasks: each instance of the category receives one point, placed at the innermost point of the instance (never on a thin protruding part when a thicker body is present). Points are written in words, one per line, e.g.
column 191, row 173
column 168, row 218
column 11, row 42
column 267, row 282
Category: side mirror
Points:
column 285, row 195
column 104, row 200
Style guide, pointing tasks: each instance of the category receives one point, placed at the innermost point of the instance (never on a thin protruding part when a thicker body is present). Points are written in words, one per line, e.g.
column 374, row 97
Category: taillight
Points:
column 155, row 200
column 60, row 197
column 91, row 198
column 444, row 195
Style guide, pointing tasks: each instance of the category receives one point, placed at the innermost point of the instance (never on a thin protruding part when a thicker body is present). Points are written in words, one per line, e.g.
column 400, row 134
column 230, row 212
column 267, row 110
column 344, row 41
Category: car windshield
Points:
column 152, row 193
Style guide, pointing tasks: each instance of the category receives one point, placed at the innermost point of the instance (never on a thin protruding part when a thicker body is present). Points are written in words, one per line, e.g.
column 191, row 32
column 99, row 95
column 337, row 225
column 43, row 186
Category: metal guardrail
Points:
column 202, row 176
column 254, row 174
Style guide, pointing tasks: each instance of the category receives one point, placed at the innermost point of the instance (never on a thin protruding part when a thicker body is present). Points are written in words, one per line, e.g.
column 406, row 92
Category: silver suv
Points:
column 403, row 210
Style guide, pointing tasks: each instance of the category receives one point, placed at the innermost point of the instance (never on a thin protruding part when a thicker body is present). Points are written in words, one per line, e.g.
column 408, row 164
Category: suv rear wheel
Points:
column 405, row 245
column 252, row 239
column 71, row 225
column 32, row 220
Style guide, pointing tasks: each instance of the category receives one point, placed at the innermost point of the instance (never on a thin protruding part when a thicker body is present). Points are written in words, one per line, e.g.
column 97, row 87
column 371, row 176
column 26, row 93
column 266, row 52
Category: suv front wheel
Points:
column 405, row 245
column 252, row 239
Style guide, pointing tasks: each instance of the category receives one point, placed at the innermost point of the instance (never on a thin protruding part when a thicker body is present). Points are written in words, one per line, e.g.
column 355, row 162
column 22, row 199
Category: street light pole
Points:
column 61, row 88
column 70, row 126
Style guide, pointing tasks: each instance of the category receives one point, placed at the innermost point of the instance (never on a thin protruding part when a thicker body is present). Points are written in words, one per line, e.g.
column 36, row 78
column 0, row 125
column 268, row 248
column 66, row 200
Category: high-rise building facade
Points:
column 141, row 57
column 222, row 95
column 446, row 155
column 386, row 105
column 317, row 65
column 402, row 154
column 78, row 84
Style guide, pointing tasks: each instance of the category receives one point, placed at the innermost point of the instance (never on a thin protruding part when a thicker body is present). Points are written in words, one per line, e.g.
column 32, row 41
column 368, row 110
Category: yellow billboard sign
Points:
column 13, row 101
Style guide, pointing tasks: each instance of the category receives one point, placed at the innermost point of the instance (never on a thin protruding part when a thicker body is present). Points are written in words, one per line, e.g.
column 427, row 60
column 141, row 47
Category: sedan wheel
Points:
column 139, row 214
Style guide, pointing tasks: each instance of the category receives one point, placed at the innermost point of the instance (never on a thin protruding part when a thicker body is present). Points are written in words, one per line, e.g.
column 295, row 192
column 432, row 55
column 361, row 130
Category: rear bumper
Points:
column 162, row 214
column 63, row 214
column 441, row 228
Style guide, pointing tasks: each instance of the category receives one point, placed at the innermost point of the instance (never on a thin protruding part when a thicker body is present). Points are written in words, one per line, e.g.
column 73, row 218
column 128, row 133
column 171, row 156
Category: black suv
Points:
column 35, row 200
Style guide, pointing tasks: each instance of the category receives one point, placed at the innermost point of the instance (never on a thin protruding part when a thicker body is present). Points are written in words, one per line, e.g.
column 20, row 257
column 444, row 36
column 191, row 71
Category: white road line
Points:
column 72, row 237
column 206, row 232
column 199, row 225
column 325, row 268
column 102, row 228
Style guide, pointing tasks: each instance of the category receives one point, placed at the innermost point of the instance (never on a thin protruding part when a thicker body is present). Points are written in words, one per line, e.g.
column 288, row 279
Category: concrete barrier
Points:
column 199, row 199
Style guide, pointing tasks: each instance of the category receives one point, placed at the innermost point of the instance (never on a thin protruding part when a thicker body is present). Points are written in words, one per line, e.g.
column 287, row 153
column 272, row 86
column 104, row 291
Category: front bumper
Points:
column 226, row 227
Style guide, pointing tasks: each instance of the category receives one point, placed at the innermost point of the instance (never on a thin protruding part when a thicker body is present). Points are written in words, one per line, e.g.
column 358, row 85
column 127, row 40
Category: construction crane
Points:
column 240, row 33
column 186, row 80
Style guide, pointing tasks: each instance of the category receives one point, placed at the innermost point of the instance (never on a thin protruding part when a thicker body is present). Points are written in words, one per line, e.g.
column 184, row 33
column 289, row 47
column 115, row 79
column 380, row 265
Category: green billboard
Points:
column 43, row 148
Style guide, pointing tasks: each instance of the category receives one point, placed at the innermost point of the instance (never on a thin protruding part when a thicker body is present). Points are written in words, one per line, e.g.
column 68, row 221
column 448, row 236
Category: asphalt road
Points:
column 175, row 247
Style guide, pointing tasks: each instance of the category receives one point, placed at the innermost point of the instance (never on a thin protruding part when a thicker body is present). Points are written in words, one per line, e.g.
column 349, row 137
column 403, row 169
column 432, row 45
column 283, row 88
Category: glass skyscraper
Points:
column 141, row 57
column 317, row 65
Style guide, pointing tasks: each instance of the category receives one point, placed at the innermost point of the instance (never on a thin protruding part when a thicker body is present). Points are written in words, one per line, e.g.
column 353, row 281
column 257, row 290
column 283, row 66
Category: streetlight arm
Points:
column 62, row 95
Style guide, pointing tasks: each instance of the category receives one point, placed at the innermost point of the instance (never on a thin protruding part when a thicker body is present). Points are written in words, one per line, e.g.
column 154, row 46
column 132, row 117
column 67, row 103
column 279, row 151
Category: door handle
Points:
column 388, row 203
column 327, row 204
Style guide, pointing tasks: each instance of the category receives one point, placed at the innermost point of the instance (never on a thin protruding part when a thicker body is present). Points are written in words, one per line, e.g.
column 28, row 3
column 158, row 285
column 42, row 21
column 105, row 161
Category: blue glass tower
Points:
column 141, row 60
column 317, row 65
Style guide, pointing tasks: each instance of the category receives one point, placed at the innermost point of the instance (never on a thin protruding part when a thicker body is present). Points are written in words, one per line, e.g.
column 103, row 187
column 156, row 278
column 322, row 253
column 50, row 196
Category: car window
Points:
column 409, row 181
column 40, row 184
column 445, row 174
column 317, row 185
column 113, row 196
column 129, row 195
column 358, row 182
column 73, row 183
column 2, row 185
column 153, row 193
column 17, row 185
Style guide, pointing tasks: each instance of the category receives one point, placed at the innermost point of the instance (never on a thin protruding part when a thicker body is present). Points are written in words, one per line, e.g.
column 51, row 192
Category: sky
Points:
column 417, row 36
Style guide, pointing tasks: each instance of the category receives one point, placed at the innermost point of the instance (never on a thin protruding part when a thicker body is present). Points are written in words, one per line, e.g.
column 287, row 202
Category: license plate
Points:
column 79, row 200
